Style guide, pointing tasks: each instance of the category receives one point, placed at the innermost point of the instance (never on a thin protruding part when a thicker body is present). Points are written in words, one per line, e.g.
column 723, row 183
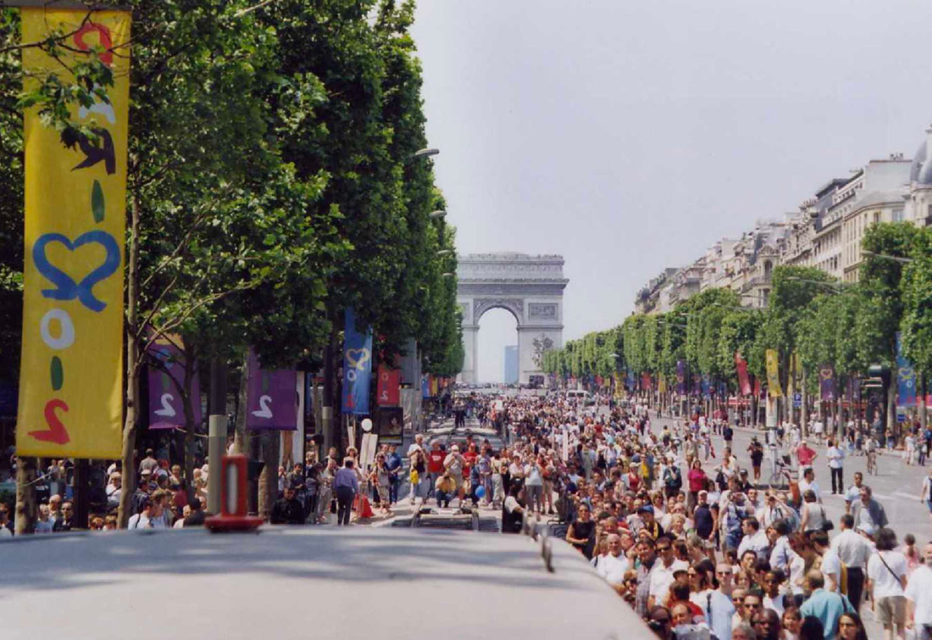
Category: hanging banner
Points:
column 388, row 387
column 906, row 377
column 706, row 386
column 854, row 388
column 661, row 384
column 630, row 381
column 680, row 377
column 166, row 407
column 773, row 374
column 357, row 366
column 827, row 383
column 271, row 397
column 434, row 390
column 71, row 373
column 744, row 382
column 757, row 389
column 697, row 384
column 425, row 386
column 645, row 382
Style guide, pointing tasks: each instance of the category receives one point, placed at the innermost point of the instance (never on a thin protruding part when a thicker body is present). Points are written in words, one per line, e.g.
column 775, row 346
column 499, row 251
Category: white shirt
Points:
column 756, row 543
column 919, row 590
column 831, row 564
column 853, row 494
column 4, row 532
column 835, row 457
column 804, row 486
column 661, row 578
column 612, row 568
column 885, row 584
column 853, row 549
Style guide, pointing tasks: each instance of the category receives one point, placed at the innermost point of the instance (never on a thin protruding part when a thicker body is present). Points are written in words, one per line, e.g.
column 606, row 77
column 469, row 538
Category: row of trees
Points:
column 272, row 184
column 811, row 320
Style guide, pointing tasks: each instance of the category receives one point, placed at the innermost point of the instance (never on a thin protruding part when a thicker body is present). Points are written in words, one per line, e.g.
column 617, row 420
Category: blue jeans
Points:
column 443, row 499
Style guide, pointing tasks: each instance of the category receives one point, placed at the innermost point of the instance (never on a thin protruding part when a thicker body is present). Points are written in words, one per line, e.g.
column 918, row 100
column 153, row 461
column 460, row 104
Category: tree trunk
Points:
column 189, row 426
column 26, row 508
column 241, row 434
column 268, row 480
column 892, row 427
column 804, row 408
column 922, row 402
column 331, row 429
column 132, row 368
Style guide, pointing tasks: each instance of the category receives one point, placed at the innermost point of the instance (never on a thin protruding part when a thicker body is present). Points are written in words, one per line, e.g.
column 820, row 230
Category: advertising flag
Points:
column 271, row 397
column 357, row 366
column 906, row 377
column 388, row 387
column 773, row 374
column 827, row 383
column 706, row 386
column 71, row 374
column 744, row 382
column 425, row 386
column 166, row 407
column 680, row 377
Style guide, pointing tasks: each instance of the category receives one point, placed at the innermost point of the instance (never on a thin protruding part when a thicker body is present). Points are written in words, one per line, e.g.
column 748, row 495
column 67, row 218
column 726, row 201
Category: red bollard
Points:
column 233, row 494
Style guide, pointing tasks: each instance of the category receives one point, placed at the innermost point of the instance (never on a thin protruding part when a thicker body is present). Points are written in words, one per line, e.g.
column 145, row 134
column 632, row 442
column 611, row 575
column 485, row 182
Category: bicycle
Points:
column 781, row 477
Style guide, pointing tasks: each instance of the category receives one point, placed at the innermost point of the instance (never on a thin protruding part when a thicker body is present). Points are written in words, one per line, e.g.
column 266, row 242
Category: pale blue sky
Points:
column 630, row 136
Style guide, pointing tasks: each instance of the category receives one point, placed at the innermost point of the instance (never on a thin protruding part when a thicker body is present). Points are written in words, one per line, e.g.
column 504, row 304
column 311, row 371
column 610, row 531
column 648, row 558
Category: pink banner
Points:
column 744, row 382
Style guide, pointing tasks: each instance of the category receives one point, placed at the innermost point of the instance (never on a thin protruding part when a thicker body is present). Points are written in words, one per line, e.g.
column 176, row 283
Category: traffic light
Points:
column 877, row 377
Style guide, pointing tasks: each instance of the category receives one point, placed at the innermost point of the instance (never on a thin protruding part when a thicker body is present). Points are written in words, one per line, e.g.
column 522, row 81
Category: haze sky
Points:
column 631, row 136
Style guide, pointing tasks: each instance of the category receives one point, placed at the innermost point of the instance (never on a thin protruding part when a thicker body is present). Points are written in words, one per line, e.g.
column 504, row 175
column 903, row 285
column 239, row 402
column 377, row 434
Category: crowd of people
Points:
column 692, row 538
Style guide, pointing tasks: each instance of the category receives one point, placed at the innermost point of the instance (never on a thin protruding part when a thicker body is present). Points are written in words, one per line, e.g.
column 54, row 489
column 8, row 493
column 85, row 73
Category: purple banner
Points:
column 166, row 408
column 680, row 377
column 271, row 397
column 827, row 382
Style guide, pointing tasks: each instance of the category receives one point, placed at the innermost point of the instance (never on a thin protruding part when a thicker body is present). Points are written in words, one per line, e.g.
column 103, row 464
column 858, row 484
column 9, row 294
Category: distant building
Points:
column 511, row 364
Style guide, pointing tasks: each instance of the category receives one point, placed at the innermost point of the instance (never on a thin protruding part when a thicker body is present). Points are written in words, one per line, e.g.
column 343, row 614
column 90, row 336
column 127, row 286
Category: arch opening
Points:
column 497, row 334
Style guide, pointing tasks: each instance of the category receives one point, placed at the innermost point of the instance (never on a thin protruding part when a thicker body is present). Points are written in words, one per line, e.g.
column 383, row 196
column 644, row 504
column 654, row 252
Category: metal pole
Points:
column 217, row 431
column 81, row 493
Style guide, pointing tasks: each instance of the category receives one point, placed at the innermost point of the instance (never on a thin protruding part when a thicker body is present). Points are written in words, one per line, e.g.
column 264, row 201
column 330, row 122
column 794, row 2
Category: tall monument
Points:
column 529, row 287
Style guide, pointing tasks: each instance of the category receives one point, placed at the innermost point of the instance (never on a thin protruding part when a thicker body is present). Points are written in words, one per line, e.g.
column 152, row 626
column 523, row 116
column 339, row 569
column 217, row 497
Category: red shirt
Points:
column 805, row 455
column 435, row 462
column 470, row 461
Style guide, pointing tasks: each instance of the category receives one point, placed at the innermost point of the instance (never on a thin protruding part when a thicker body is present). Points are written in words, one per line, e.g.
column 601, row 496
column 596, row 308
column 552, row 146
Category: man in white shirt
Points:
column 661, row 575
column 853, row 494
column 613, row 566
column 808, row 482
column 831, row 562
column 853, row 550
column 919, row 597
column 836, row 456
column 754, row 539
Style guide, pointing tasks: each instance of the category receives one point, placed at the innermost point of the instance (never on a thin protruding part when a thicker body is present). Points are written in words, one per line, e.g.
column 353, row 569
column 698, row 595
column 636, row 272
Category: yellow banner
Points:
column 773, row 374
column 70, row 392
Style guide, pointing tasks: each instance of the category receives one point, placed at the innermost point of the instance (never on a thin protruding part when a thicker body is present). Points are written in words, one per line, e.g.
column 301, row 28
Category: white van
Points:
column 578, row 395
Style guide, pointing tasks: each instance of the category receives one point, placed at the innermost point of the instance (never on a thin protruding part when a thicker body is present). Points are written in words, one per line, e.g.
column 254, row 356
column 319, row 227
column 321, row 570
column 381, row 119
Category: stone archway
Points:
column 529, row 287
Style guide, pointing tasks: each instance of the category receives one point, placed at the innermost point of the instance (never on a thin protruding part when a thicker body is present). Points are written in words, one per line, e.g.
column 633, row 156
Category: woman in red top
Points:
column 697, row 482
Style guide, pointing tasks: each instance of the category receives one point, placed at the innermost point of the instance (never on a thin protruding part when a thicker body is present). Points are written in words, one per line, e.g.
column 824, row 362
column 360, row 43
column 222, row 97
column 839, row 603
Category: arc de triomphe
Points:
column 530, row 287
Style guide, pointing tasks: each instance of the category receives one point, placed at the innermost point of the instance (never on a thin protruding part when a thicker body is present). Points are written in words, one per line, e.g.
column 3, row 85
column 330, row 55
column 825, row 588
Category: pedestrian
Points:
column 850, row 627
column 836, row 456
column 925, row 495
column 345, row 486
column 853, row 550
column 287, row 509
column 869, row 515
column 886, row 582
column 919, row 597
column 824, row 605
